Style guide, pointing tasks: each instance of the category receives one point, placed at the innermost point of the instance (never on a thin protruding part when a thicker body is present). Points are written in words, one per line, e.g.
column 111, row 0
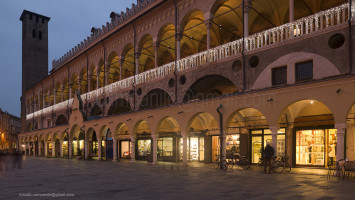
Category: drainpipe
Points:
column 221, row 135
column 350, row 40
column 134, row 66
column 243, row 48
column 175, row 72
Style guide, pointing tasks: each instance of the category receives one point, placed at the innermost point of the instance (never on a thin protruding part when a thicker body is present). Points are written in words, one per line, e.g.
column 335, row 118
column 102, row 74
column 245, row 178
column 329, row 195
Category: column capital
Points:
column 208, row 23
column 137, row 54
column 273, row 129
column 156, row 44
column 247, row 5
column 179, row 36
column 154, row 136
column 340, row 128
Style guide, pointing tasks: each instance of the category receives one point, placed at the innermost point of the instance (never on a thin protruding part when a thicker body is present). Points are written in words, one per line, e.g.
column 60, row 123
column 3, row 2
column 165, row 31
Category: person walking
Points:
column 268, row 154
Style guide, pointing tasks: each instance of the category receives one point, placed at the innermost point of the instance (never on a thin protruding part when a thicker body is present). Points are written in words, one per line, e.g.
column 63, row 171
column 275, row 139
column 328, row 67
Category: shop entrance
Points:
column 259, row 140
column 109, row 145
column 167, row 147
column 144, row 148
column 195, row 148
column 232, row 146
column 316, row 147
column 125, row 149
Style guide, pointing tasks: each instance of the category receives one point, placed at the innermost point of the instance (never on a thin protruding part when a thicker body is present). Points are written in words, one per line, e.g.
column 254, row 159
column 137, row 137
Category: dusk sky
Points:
column 71, row 22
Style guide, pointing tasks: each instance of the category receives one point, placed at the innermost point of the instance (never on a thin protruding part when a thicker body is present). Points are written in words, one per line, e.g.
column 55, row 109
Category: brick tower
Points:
column 34, row 52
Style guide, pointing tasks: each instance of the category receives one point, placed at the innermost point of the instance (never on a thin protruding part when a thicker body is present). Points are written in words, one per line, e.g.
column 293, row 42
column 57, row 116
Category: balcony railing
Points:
column 305, row 26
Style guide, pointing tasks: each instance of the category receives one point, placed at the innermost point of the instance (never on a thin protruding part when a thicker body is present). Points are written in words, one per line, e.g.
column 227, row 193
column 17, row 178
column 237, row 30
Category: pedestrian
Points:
column 268, row 155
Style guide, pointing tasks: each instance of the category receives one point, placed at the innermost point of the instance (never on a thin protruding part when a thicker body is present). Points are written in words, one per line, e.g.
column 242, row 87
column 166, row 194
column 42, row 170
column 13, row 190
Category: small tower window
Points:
column 30, row 16
column 40, row 35
column 42, row 20
column 34, row 33
column 36, row 18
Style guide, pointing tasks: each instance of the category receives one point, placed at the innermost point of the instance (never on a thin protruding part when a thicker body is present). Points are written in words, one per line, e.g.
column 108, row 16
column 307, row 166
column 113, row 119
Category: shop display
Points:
column 144, row 147
column 125, row 149
column 310, row 147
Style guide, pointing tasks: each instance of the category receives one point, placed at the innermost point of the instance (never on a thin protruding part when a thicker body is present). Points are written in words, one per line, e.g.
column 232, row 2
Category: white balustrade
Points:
column 307, row 25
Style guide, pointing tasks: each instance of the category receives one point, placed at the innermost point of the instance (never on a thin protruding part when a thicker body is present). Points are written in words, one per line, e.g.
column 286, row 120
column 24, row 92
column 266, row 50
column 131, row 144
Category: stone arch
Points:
column 119, row 106
column 141, row 127
column 209, row 86
column 155, row 98
column 93, row 75
column 61, row 120
column 322, row 68
column 83, row 80
column 147, row 53
column 166, row 39
column 121, row 129
column 226, row 26
column 114, row 69
column 101, row 72
column 194, row 33
column 127, row 56
column 203, row 122
column 92, row 138
column 168, row 124
column 307, row 111
column 96, row 111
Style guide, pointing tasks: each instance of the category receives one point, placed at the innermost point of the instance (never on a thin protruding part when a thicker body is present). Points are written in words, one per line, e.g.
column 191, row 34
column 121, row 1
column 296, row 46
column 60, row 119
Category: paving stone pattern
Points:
column 139, row 180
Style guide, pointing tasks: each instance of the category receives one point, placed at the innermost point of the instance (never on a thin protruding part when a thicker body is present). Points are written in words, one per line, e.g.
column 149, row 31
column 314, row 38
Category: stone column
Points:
column 291, row 10
column 70, row 90
column 89, row 84
column 97, row 79
column 43, row 100
column 178, row 38
column 156, row 47
column 138, row 55
column 54, row 96
column 99, row 140
column 61, row 148
column 133, row 148
column 86, row 146
column 39, row 149
column 107, row 68
column 114, row 149
column 208, row 26
column 273, row 130
column 184, row 149
column 53, row 149
column 79, row 82
column 70, row 149
column 46, row 149
column 155, row 147
column 340, row 141
column 62, row 97
column 121, row 65
column 247, row 6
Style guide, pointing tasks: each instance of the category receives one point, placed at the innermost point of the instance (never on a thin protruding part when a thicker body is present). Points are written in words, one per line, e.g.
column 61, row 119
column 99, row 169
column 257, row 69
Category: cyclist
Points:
column 268, row 155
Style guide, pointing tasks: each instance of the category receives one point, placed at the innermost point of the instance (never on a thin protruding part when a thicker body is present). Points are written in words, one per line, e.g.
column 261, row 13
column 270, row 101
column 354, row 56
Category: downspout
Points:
column 221, row 136
column 243, row 48
column 87, row 78
column 68, row 113
column 54, row 97
column 350, row 40
column 175, row 71
column 104, row 83
column 134, row 66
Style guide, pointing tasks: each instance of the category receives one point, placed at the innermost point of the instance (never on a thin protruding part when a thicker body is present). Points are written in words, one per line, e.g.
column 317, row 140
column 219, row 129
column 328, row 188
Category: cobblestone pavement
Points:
column 139, row 180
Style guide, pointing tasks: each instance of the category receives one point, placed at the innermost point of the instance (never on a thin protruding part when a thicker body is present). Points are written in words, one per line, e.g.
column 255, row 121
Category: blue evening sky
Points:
column 71, row 22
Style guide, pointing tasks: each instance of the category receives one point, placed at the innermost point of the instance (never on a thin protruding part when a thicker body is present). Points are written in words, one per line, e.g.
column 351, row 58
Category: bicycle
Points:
column 217, row 164
column 284, row 159
column 276, row 165
column 241, row 162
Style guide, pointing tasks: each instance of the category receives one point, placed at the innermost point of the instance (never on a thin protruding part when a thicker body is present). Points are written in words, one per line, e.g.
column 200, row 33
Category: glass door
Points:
column 194, row 150
column 125, row 149
column 256, row 147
